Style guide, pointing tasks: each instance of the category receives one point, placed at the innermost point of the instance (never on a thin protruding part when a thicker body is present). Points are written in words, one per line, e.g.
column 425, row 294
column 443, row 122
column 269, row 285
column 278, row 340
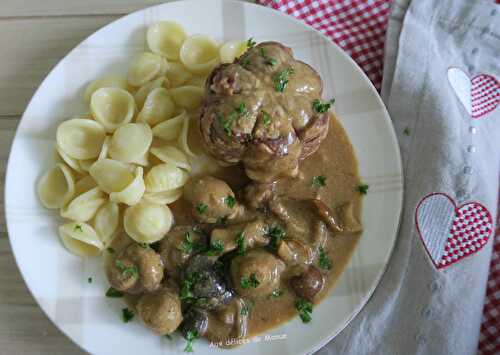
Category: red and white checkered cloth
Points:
column 358, row 27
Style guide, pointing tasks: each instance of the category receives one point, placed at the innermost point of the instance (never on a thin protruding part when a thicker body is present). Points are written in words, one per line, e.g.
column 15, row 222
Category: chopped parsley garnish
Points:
column 216, row 248
column 324, row 260
column 143, row 245
column 240, row 241
column 245, row 310
column 89, row 280
column 281, row 79
column 245, row 62
column 113, row 293
column 127, row 270
column 127, row 315
column 322, row 107
column 247, row 282
column 189, row 245
column 276, row 234
column 406, row 131
column 191, row 335
column 222, row 221
column 305, row 309
column 251, row 43
column 201, row 208
column 363, row 189
column 168, row 336
column 277, row 293
column 110, row 250
column 219, row 267
column 230, row 201
column 227, row 123
column 187, row 285
column 319, row 181
column 266, row 119
column 241, row 109
column 78, row 228
column 267, row 60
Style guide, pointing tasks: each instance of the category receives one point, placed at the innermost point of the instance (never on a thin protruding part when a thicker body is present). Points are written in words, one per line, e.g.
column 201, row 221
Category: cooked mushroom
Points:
column 257, row 195
column 160, row 311
column 295, row 251
column 195, row 319
column 308, row 284
column 340, row 221
column 256, row 274
column 212, row 199
column 243, row 236
column 135, row 269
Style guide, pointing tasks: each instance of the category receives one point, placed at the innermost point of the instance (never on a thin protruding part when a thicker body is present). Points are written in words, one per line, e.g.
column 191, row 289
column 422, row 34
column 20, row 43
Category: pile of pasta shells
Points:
column 121, row 165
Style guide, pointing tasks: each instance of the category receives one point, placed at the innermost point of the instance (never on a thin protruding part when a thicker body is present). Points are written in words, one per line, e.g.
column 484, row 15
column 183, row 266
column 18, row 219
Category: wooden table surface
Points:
column 34, row 36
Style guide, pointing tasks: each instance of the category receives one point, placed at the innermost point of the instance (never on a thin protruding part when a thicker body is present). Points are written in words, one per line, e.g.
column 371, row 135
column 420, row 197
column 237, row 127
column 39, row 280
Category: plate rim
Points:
column 394, row 142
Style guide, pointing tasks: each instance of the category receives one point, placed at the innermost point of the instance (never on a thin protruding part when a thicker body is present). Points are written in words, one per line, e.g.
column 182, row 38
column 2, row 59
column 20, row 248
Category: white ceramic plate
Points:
column 58, row 280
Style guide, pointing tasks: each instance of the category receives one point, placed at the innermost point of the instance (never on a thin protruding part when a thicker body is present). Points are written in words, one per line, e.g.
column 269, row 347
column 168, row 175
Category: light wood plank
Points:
column 31, row 47
column 8, row 127
column 24, row 328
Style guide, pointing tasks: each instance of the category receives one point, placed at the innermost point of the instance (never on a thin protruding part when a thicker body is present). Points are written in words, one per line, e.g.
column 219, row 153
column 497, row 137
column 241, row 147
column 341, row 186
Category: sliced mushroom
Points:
column 295, row 251
column 253, row 234
column 349, row 222
column 327, row 215
column 257, row 195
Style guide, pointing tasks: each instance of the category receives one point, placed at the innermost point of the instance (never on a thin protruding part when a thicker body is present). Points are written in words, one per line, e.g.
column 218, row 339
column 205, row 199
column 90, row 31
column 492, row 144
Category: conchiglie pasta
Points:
column 80, row 239
column 84, row 207
column 86, row 164
column 141, row 94
column 111, row 175
column 187, row 97
column 56, row 187
column 163, row 197
column 178, row 74
column 131, row 194
column 71, row 162
column 80, row 138
column 165, row 38
column 147, row 222
column 112, row 107
column 84, row 184
column 158, row 107
column 146, row 67
column 231, row 50
column 172, row 155
column 170, row 129
column 106, row 82
column 200, row 54
column 107, row 222
column 198, row 81
column 183, row 140
column 131, row 142
column 165, row 177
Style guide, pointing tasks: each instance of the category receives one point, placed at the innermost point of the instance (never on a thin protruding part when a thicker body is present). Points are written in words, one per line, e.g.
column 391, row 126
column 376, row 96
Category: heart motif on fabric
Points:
column 479, row 95
column 450, row 232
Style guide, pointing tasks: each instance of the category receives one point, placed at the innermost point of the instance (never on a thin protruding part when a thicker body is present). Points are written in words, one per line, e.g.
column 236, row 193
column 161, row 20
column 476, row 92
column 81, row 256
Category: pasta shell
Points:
column 131, row 194
column 170, row 129
column 84, row 207
column 147, row 222
column 165, row 38
column 112, row 107
column 165, row 177
column 80, row 138
column 178, row 74
column 163, row 197
column 183, row 137
column 198, row 81
column 146, row 67
column 107, row 221
column 80, row 239
column 172, row 155
column 103, row 154
column 231, row 50
column 200, row 54
column 84, row 184
column 187, row 97
column 158, row 107
column 141, row 94
column 56, row 187
column 129, row 143
column 111, row 175
column 106, row 82
column 71, row 162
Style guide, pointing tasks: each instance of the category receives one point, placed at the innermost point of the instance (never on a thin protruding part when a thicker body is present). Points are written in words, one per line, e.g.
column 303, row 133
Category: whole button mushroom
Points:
column 308, row 284
column 160, row 311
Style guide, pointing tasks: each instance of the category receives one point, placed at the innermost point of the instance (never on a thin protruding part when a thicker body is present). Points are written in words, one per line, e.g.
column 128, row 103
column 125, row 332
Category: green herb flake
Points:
column 245, row 310
column 267, row 60
column 78, row 228
column 281, row 79
column 143, row 245
column 127, row 270
column 251, row 43
column 305, row 309
column 319, row 181
column 245, row 63
column 189, row 245
column 201, row 208
column 187, row 285
column 216, row 248
column 230, row 201
column 406, row 131
column 322, row 107
column 169, row 337
column 266, row 119
column 191, row 336
column 324, row 260
column 247, row 282
column 89, row 280
column 277, row 293
column 362, row 189
column 113, row 293
column 276, row 234
column 127, row 315
column 221, row 221
column 110, row 250
column 241, row 109
column 240, row 241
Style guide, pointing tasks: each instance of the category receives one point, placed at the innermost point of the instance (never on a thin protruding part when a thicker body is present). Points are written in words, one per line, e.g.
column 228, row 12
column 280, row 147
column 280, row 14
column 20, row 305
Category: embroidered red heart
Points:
column 479, row 95
column 450, row 232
